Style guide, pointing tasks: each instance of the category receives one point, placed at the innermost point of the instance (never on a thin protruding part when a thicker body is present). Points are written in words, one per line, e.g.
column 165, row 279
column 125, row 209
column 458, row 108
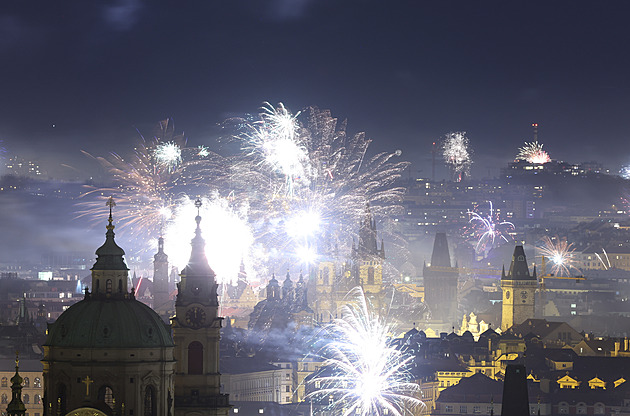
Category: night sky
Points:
column 87, row 74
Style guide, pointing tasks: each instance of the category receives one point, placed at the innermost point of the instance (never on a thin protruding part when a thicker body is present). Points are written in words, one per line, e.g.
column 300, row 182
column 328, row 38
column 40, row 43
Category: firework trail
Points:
column 488, row 229
column 149, row 184
column 533, row 153
column 624, row 172
column 457, row 154
column 605, row 263
column 369, row 375
column 560, row 253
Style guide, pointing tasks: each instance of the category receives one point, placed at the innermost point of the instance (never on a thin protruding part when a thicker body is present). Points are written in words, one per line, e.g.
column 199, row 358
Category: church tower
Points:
column 440, row 283
column 162, row 303
column 196, row 332
column 367, row 257
column 519, row 288
column 324, row 304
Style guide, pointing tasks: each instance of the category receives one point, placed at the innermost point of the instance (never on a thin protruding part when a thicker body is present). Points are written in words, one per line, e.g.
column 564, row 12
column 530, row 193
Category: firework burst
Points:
column 148, row 184
column 533, row 153
column 456, row 153
column 559, row 252
column 369, row 375
column 224, row 226
column 168, row 154
column 297, row 190
column 319, row 175
column 489, row 229
column 273, row 140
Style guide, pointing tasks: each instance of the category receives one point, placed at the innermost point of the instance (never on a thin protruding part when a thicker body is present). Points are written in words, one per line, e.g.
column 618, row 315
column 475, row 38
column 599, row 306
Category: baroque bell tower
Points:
column 196, row 332
column 161, row 302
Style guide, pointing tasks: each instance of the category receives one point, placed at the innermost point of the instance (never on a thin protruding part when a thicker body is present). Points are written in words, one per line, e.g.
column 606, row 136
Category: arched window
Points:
column 599, row 408
column 370, row 275
column 37, row 399
column 4, row 382
column 61, row 398
column 4, row 399
column 108, row 286
column 26, row 399
column 581, row 408
column 37, row 383
column 195, row 358
column 106, row 394
column 27, row 382
column 150, row 405
column 563, row 408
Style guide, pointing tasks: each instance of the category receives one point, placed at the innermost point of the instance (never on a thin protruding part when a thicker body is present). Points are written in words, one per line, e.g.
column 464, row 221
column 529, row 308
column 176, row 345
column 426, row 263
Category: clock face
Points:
column 195, row 317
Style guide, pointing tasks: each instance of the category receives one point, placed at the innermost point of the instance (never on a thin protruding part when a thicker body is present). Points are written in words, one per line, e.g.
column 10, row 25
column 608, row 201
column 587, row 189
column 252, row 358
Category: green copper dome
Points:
column 109, row 323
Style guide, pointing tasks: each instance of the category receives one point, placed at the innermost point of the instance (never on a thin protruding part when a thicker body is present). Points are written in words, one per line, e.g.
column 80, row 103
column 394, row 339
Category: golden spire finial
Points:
column 111, row 204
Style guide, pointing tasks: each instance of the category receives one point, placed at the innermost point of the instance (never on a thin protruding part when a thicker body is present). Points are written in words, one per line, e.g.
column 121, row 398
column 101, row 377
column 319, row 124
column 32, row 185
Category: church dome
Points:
column 103, row 323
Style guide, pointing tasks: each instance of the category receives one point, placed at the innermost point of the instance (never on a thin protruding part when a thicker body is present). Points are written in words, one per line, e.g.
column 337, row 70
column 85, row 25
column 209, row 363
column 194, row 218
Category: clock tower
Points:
column 196, row 332
column 519, row 288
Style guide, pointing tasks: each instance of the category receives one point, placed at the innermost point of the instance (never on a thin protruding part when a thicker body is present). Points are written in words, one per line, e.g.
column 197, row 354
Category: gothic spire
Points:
column 518, row 268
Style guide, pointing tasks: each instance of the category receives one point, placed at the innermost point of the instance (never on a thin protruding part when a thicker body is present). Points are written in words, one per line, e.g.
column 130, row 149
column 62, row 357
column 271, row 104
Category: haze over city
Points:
column 314, row 207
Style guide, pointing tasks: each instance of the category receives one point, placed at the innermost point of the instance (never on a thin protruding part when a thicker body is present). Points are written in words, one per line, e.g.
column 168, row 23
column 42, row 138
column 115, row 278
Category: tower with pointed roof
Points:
column 162, row 303
column 196, row 332
column 334, row 276
column 16, row 407
column 440, row 283
column 519, row 288
column 367, row 257
column 288, row 291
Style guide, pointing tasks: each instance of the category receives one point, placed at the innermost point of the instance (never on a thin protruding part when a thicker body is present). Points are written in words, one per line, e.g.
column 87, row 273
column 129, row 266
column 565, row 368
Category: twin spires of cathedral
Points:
column 368, row 245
